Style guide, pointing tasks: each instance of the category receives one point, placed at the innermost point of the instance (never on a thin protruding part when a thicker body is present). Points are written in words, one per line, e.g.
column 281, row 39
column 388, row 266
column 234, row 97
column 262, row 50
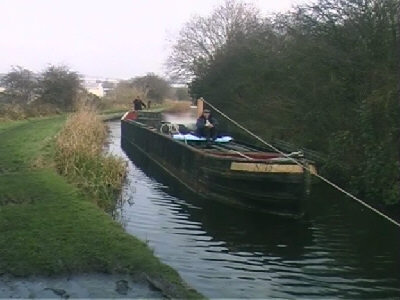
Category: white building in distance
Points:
column 99, row 86
column 95, row 88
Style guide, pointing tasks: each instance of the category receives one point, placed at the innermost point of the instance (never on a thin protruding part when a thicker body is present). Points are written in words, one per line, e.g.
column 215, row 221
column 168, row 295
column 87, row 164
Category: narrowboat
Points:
column 229, row 171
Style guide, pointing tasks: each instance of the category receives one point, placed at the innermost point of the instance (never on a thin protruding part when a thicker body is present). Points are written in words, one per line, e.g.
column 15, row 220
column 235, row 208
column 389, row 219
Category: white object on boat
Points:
column 192, row 137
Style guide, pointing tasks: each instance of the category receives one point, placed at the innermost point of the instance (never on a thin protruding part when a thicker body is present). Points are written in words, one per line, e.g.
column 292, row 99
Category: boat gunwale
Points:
column 237, row 174
column 204, row 153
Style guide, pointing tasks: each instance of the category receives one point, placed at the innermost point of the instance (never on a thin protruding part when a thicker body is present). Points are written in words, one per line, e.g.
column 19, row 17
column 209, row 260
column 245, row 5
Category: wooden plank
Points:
column 266, row 168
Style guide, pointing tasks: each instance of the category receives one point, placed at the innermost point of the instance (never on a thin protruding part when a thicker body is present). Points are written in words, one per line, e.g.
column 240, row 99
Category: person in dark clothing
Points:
column 206, row 126
column 138, row 104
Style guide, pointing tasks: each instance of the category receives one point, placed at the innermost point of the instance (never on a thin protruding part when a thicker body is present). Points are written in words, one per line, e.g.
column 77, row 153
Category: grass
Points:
column 48, row 226
column 23, row 143
column 10, row 112
column 167, row 105
column 114, row 110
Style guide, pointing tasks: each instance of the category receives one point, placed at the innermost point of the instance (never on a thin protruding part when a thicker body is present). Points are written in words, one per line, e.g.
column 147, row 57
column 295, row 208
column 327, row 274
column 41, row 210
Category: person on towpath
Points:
column 138, row 104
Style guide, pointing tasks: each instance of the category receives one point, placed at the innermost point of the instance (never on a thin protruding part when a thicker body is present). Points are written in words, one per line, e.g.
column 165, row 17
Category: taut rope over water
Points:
column 304, row 167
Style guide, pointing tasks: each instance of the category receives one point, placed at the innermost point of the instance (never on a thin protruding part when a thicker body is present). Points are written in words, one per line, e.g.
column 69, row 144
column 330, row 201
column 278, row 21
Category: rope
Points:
column 305, row 167
column 241, row 154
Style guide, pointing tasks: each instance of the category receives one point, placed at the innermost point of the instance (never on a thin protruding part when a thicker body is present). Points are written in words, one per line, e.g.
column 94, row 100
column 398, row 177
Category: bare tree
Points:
column 152, row 86
column 202, row 37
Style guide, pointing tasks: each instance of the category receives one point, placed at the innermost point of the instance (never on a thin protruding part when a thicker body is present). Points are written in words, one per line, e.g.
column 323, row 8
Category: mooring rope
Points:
column 304, row 167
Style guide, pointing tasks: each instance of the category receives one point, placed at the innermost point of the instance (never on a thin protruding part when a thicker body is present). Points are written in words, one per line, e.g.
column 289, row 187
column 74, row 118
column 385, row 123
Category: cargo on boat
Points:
column 227, row 170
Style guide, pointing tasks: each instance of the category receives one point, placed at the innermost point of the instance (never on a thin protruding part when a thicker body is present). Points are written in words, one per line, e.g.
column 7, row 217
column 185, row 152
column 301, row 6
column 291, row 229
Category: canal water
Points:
column 339, row 250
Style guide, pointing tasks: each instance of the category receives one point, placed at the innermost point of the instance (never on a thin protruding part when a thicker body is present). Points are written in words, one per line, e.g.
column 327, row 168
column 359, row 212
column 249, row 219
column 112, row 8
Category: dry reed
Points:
column 79, row 156
column 175, row 106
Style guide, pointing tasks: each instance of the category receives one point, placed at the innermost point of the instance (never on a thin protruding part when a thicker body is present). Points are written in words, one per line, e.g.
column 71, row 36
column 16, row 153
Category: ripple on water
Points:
column 227, row 253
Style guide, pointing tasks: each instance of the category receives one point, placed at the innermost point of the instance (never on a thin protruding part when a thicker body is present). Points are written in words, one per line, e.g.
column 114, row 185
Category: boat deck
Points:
column 230, row 150
column 236, row 150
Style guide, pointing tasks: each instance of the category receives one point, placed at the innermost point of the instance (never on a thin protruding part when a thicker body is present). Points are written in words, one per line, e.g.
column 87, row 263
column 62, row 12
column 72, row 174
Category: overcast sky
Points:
column 116, row 39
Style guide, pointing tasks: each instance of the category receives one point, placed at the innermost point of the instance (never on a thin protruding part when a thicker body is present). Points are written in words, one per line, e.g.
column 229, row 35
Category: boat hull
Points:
column 236, row 182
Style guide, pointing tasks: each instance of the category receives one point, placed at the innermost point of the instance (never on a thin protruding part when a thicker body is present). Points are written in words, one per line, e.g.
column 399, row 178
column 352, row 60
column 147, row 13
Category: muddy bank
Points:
column 77, row 286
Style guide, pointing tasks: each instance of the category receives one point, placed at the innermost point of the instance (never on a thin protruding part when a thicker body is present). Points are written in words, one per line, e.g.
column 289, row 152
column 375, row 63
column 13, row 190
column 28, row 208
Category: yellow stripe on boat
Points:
column 266, row 168
column 313, row 169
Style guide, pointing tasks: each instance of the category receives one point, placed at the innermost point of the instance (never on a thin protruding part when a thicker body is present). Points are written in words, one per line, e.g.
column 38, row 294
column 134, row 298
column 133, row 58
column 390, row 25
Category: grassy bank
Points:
column 48, row 226
column 168, row 105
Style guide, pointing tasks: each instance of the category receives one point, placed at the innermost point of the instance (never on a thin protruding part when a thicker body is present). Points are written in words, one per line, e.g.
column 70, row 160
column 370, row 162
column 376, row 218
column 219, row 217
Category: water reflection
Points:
column 229, row 253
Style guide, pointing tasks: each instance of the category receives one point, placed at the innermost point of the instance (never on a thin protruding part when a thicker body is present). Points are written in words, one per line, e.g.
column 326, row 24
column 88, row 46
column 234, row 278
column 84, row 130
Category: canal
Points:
column 339, row 250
